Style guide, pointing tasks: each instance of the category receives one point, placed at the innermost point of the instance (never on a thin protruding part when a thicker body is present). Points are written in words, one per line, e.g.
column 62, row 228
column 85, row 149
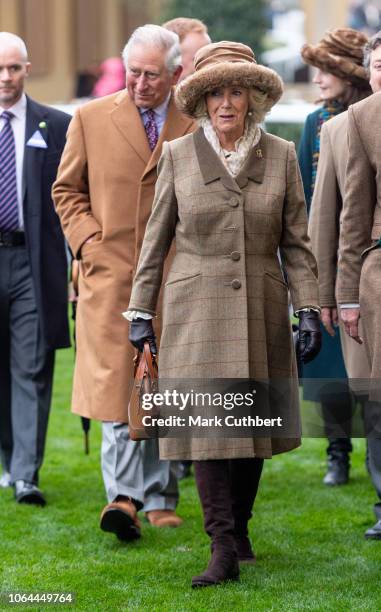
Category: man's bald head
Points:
column 14, row 68
column 9, row 40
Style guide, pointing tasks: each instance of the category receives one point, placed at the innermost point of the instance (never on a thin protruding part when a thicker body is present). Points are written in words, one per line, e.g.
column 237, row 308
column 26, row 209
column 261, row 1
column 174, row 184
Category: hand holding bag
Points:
column 145, row 382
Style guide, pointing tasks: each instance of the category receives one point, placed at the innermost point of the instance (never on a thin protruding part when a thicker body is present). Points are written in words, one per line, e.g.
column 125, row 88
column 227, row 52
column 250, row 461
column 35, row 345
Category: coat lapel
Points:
column 175, row 126
column 127, row 119
column 211, row 167
column 254, row 167
column 33, row 156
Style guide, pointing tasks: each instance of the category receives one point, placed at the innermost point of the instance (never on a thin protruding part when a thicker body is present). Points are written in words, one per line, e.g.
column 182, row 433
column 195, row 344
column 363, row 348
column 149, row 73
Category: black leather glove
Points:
column 309, row 336
column 141, row 330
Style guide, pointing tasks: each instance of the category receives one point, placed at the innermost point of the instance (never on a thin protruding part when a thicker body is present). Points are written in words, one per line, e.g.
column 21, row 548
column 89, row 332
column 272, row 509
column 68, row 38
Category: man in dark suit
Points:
column 33, row 271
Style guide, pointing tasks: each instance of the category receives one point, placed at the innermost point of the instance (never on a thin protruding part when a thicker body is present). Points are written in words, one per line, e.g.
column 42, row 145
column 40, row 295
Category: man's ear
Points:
column 176, row 75
column 28, row 66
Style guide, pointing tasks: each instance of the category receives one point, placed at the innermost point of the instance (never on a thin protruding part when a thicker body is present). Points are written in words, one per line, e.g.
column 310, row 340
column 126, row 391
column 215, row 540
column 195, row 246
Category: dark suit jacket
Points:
column 44, row 237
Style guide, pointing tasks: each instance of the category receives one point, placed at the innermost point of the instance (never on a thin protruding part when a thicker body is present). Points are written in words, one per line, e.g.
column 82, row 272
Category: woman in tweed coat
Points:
column 231, row 196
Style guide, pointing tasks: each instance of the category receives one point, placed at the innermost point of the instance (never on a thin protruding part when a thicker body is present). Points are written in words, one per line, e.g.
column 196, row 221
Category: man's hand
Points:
column 350, row 317
column 95, row 236
column 330, row 319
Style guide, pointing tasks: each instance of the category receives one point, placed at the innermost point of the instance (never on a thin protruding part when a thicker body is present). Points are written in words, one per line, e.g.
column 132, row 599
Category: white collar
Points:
column 18, row 109
column 161, row 110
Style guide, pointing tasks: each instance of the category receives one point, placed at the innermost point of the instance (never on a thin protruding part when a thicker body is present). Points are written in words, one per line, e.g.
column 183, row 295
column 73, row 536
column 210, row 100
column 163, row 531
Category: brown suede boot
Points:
column 223, row 566
column 213, row 484
column 244, row 476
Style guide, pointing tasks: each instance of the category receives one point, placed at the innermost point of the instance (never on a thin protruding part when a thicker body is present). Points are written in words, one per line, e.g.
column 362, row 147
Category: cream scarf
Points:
column 233, row 160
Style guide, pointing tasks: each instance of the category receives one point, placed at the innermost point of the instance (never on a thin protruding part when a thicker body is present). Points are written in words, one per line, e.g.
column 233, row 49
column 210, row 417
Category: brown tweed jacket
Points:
column 360, row 257
column 225, row 299
column 361, row 221
column 324, row 229
column 326, row 206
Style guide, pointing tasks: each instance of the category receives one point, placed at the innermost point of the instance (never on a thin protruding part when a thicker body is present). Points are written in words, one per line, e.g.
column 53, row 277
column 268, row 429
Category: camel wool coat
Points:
column 105, row 184
column 324, row 229
column 225, row 300
column 359, row 248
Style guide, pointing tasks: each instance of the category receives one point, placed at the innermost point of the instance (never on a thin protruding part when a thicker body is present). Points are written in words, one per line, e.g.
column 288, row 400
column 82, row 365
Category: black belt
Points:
column 12, row 239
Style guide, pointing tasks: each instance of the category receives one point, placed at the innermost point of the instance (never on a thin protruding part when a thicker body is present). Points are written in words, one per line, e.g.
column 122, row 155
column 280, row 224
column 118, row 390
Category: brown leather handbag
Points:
column 145, row 382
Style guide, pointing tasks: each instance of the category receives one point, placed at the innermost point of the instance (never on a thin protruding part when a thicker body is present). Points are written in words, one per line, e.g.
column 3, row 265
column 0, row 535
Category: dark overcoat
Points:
column 44, row 237
column 225, row 300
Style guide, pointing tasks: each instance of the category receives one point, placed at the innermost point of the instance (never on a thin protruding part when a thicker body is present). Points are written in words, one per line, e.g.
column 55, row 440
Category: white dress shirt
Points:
column 18, row 123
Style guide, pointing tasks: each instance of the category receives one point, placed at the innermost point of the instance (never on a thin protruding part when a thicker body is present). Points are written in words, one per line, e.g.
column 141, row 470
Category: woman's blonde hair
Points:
column 257, row 105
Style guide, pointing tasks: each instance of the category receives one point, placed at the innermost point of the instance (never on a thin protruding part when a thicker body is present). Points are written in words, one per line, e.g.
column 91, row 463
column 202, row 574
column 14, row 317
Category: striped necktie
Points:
column 151, row 129
column 9, row 217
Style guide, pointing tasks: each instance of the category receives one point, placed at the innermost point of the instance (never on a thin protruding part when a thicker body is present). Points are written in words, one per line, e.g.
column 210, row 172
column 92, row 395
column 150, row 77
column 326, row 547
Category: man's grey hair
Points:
column 155, row 36
column 7, row 39
column 371, row 45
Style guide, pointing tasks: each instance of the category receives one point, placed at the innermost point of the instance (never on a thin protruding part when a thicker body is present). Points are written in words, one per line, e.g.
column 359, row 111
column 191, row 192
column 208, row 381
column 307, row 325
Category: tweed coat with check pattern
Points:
column 359, row 255
column 225, row 312
column 324, row 230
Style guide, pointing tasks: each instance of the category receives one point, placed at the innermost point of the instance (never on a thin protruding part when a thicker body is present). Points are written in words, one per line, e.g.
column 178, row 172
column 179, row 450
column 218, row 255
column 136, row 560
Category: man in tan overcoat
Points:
column 103, row 194
column 324, row 229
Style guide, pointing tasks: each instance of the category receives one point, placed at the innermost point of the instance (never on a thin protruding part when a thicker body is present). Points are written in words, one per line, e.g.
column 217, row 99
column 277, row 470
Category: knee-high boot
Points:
column 245, row 475
column 213, row 484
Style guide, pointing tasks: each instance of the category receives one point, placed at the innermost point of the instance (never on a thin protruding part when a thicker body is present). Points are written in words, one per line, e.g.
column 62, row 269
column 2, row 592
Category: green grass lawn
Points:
column 309, row 539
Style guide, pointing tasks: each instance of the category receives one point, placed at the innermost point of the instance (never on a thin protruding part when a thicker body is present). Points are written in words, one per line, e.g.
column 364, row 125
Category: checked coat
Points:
column 225, row 299
column 324, row 229
column 360, row 255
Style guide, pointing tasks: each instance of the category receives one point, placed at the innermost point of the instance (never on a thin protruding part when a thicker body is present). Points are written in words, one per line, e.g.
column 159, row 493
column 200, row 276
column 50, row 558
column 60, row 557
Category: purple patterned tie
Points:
column 151, row 129
column 9, row 217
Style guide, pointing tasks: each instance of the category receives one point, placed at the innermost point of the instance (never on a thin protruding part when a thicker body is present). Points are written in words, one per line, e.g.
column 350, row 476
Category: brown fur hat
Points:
column 340, row 53
column 226, row 64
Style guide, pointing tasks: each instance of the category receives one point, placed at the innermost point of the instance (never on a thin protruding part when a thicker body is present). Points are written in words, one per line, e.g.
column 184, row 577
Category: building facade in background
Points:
column 67, row 39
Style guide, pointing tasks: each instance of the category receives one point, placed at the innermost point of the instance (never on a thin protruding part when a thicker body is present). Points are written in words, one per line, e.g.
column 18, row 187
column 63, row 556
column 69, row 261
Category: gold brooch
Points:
column 258, row 152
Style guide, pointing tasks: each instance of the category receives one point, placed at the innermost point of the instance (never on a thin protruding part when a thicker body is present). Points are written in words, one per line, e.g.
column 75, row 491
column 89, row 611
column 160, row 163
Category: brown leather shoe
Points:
column 163, row 518
column 120, row 517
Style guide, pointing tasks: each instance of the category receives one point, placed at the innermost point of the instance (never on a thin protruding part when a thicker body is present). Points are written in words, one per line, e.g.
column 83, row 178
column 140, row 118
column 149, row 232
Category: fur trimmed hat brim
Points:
column 340, row 53
column 227, row 74
column 334, row 64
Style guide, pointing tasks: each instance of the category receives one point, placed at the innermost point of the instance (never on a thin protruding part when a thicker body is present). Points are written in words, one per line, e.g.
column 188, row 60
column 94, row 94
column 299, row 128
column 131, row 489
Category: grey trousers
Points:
column 26, row 370
column 133, row 469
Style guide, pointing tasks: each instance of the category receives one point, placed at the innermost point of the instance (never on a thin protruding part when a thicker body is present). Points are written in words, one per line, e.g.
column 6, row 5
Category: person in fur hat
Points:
column 231, row 196
column 342, row 80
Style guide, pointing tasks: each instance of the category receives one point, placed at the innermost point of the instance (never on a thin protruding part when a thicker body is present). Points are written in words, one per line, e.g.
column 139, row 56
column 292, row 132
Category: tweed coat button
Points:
column 233, row 202
column 236, row 284
column 235, row 256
